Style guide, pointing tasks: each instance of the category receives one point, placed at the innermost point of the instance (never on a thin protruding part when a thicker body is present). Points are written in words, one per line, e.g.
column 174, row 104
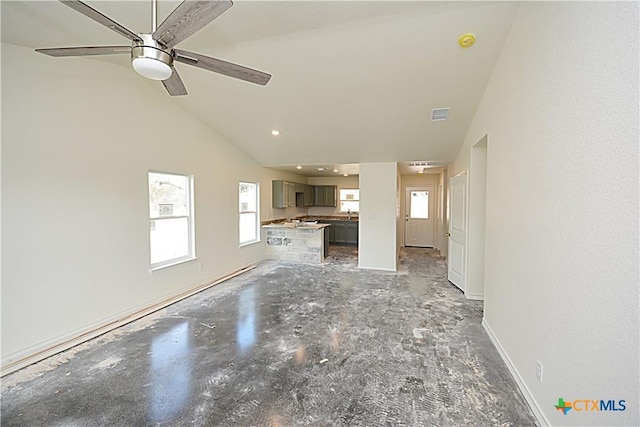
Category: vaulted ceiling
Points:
column 352, row 81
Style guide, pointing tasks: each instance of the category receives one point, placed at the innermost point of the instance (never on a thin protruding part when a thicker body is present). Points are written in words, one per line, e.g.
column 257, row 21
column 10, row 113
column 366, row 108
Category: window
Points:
column 349, row 199
column 419, row 205
column 171, row 218
column 248, row 225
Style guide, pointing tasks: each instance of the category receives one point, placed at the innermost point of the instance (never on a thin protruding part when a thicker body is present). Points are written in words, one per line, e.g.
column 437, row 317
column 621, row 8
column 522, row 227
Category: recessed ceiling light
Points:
column 275, row 132
column 336, row 170
column 346, row 174
column 421, row 171
column 298, row 167
column 321, row 169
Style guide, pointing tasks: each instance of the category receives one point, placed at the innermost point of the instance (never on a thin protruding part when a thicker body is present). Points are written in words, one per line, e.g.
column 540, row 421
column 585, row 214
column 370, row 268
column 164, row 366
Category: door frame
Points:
column 476, row 220
column 432, row 212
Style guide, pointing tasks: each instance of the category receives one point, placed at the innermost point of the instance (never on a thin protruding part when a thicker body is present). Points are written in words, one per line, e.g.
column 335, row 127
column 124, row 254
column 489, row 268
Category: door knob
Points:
column 448, row 234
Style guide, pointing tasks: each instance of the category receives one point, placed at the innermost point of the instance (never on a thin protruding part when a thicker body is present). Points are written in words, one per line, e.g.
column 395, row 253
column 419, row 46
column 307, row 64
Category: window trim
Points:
column 340, row 200
column 256, row 212
column 191, row 244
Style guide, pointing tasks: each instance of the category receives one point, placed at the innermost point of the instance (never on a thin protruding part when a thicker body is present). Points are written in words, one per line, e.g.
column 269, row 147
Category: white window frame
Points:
column 190, row 221
column 245, row 212
column 340, row 190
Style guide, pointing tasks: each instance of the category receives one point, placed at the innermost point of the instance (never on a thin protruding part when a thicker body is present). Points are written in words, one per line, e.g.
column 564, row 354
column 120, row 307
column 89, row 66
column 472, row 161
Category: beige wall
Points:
column 378, row 241
column 75, row 157
column 562, row 238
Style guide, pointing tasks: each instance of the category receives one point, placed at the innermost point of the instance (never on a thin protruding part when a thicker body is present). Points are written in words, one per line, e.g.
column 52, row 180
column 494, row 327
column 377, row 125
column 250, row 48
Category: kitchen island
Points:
column 297, row 242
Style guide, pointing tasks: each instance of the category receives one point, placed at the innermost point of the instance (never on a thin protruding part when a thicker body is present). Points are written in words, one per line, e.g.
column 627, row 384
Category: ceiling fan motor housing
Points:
column 150, row 60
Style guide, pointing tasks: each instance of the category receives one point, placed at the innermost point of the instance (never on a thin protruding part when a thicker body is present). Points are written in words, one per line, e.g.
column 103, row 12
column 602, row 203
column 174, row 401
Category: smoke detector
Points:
column 466, row 40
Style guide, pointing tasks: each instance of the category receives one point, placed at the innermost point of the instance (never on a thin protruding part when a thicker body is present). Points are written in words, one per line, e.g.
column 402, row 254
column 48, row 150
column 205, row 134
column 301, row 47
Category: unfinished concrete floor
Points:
column 286, row 344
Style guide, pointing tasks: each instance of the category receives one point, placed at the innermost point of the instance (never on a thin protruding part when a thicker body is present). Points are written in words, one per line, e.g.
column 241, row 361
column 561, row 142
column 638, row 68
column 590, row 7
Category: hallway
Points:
column 286, row 344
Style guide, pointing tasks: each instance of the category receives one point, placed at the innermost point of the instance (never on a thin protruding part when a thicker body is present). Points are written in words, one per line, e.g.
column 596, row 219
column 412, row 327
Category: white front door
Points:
column 418, row 226
column 457, row 259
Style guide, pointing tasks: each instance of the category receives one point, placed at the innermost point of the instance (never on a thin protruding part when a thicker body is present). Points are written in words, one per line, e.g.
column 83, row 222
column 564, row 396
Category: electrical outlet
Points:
column 539, row 370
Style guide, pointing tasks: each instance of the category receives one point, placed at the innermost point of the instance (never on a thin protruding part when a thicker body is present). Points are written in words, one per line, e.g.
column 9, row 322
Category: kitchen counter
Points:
column 329, row 218
column 303, row 225
column 297, row 242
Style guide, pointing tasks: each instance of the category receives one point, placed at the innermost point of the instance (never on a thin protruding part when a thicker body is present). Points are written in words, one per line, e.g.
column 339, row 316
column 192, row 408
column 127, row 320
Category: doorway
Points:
column 419, row 218
column 477, row 220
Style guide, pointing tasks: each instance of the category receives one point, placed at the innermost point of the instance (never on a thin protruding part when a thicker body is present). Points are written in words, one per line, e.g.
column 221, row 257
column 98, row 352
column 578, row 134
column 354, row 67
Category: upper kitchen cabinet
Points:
column 325, row 195
column 308, row 195
column 283, row 194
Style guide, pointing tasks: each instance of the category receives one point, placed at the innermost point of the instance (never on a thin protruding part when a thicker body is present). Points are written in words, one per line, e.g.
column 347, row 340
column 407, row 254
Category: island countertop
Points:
column 293, row 225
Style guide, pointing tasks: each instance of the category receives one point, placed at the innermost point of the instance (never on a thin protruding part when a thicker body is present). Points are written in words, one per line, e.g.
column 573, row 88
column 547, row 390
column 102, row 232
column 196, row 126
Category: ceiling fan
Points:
column 153, row 54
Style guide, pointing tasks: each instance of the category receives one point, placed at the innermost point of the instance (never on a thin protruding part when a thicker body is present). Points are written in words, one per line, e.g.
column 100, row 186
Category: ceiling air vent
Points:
column 438, row 114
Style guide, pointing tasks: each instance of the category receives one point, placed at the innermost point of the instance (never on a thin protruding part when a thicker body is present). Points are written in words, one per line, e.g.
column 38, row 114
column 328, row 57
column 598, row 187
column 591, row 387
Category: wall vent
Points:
column 438, row 114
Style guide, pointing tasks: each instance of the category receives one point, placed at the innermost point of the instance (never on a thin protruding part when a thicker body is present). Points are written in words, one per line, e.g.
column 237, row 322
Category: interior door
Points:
column 419, row 221
column 457, row 259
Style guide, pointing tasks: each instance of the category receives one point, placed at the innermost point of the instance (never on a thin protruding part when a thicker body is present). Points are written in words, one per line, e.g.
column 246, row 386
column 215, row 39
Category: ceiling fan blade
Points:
column 90, row 12
column 222, row 67
column 85, row 51
column 174, row 84
column 187, row 18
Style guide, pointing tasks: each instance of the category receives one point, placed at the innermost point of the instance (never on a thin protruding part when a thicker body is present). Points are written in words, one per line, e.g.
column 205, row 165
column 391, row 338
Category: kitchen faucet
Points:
column 349, row 213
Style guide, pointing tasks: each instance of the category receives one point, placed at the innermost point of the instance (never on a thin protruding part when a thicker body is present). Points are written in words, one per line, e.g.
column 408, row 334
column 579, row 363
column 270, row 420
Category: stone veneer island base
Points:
column 305, row 243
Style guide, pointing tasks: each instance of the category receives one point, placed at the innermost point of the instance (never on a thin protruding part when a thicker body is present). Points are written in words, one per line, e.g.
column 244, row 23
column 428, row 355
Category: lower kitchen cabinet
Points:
column 342, row 231
column 332, row 232
column 351, row 231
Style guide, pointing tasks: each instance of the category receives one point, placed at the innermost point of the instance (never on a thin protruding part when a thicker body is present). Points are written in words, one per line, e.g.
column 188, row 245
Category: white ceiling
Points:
column 353, row 81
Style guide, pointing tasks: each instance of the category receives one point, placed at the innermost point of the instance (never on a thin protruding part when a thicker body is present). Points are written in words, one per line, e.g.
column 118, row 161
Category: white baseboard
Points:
column 476, row 297
column 41, row 351
column 364, row 267
column 535, row 408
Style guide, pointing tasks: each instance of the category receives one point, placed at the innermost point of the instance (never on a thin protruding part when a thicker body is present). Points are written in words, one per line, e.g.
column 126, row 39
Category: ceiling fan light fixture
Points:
column 149, row 60
column 151, row 68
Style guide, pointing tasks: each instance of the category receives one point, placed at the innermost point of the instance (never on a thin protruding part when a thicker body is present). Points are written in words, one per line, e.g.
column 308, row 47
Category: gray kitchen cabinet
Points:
column 325, row 195
column 351, row 232
column 292, row 193
column 326, row 236
column 332, row 231
column 304, row 195
column 318, row 195
column 340, row 232
column 308, row 195
column 345, row 232
column 283, row 194
column 278, row 194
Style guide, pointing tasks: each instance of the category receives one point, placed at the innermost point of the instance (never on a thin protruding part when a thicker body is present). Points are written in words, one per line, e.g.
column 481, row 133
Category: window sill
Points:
column 249, row 243
column 173, row 264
